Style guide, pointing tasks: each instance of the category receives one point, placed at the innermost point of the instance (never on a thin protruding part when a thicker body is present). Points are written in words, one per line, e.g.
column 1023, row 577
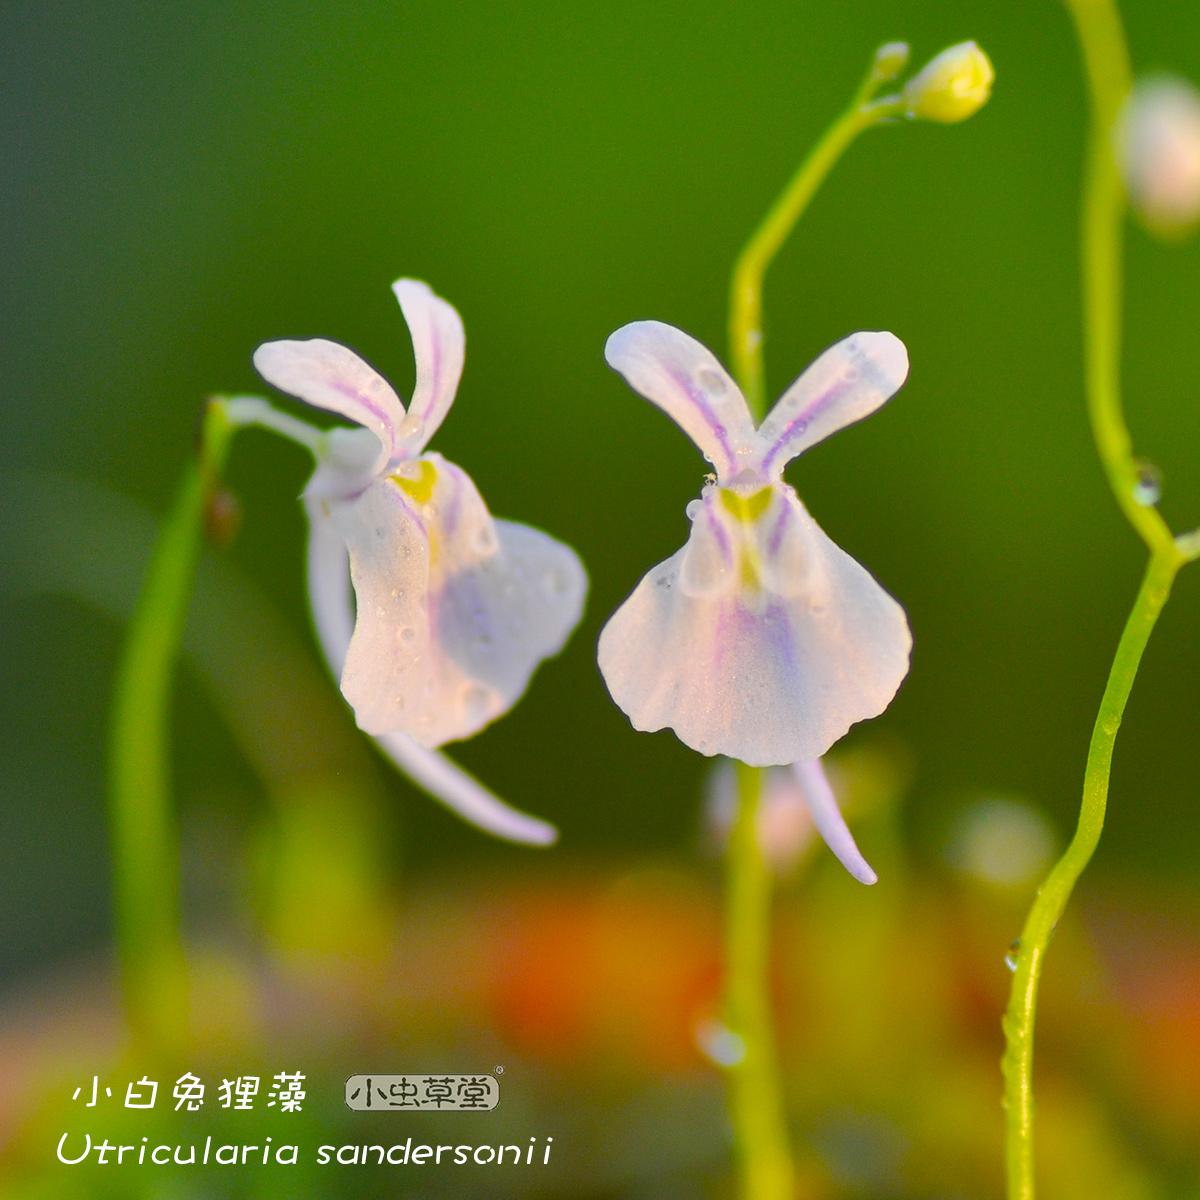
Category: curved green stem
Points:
column 1102, row 231
column 1107, row 63
column 144, row 843
column 745, row 297
column 764, row 1159
column 1053, row 895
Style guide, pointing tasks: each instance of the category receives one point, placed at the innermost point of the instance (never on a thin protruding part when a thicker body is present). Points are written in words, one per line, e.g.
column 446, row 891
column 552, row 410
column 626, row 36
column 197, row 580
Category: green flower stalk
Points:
column 1109, row 78
column 761, row 640
column 144, row 839
column 951, row 87
column 955, row 84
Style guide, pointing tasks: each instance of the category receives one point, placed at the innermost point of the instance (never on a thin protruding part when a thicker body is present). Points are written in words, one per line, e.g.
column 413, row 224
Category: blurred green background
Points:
column 181, row 182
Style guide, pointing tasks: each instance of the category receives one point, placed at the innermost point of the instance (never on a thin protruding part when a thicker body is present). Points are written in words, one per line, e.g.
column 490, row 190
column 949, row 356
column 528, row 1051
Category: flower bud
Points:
column 890, row 59
column 1158, row 150
column 951, row 86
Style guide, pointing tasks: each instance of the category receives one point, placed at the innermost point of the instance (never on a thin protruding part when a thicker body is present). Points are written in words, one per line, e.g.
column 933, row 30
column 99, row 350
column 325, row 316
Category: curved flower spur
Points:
column 760, row 639
column 455, row 609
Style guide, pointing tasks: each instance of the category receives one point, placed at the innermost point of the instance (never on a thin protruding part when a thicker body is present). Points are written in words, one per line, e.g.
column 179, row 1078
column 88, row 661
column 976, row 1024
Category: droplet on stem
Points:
column 1147, row 488
column 1014, row 951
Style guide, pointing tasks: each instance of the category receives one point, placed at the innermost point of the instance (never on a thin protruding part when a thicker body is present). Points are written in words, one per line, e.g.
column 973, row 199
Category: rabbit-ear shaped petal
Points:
column 439, row 346
column 685, row 379
column 331, row 376
column 848, row 382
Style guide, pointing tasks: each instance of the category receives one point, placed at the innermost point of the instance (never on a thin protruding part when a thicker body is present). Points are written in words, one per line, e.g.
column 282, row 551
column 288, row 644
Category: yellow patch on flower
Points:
column 421, row 488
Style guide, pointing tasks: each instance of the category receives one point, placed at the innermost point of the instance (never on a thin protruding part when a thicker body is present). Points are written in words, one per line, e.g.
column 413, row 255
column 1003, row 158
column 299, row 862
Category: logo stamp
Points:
column 449, row 1093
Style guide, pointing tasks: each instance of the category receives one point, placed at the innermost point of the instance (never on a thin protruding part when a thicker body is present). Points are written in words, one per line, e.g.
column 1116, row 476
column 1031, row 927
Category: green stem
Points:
column 745, row 297
column 1106, row 59
column 756, row 1096
column 144, row 842
column 1102, row 230
column 1053, row 895
column 764, row 1159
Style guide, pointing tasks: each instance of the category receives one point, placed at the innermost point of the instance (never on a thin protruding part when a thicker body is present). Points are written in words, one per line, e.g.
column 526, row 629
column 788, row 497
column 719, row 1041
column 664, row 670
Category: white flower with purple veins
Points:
column 760, row 639
column 455, row 609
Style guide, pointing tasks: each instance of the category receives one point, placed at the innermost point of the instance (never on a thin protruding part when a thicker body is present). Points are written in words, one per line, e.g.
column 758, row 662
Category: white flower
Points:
column 1157, row 140
column 455, row 609
column 760, row 639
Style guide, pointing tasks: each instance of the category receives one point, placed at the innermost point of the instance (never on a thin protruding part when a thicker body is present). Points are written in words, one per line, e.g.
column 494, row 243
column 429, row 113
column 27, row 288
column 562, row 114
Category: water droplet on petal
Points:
column 710, row 381
column 1010, row 959
column 407, row 634
column 694, row 508
column 411, row 427
column 1147, row 488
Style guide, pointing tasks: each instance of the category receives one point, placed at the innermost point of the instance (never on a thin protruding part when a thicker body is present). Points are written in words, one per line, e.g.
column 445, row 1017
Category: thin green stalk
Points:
column 1107, row 63
column 1053, row 895
column 764, row 1158
column 1102, row 229
column 745, row 297
column 144, row 842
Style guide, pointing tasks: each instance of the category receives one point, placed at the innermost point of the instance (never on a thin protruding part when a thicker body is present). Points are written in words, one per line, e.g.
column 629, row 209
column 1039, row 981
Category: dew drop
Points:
column 412, row 426
column 1147, row 488
column 1010, row 959
column 720, row 1044
column 407, row 634
column 710, row 381
column 693, row 509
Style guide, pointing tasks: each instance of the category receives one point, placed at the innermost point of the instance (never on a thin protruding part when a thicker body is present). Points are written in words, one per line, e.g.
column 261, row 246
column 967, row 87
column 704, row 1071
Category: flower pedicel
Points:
column 455, row 609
